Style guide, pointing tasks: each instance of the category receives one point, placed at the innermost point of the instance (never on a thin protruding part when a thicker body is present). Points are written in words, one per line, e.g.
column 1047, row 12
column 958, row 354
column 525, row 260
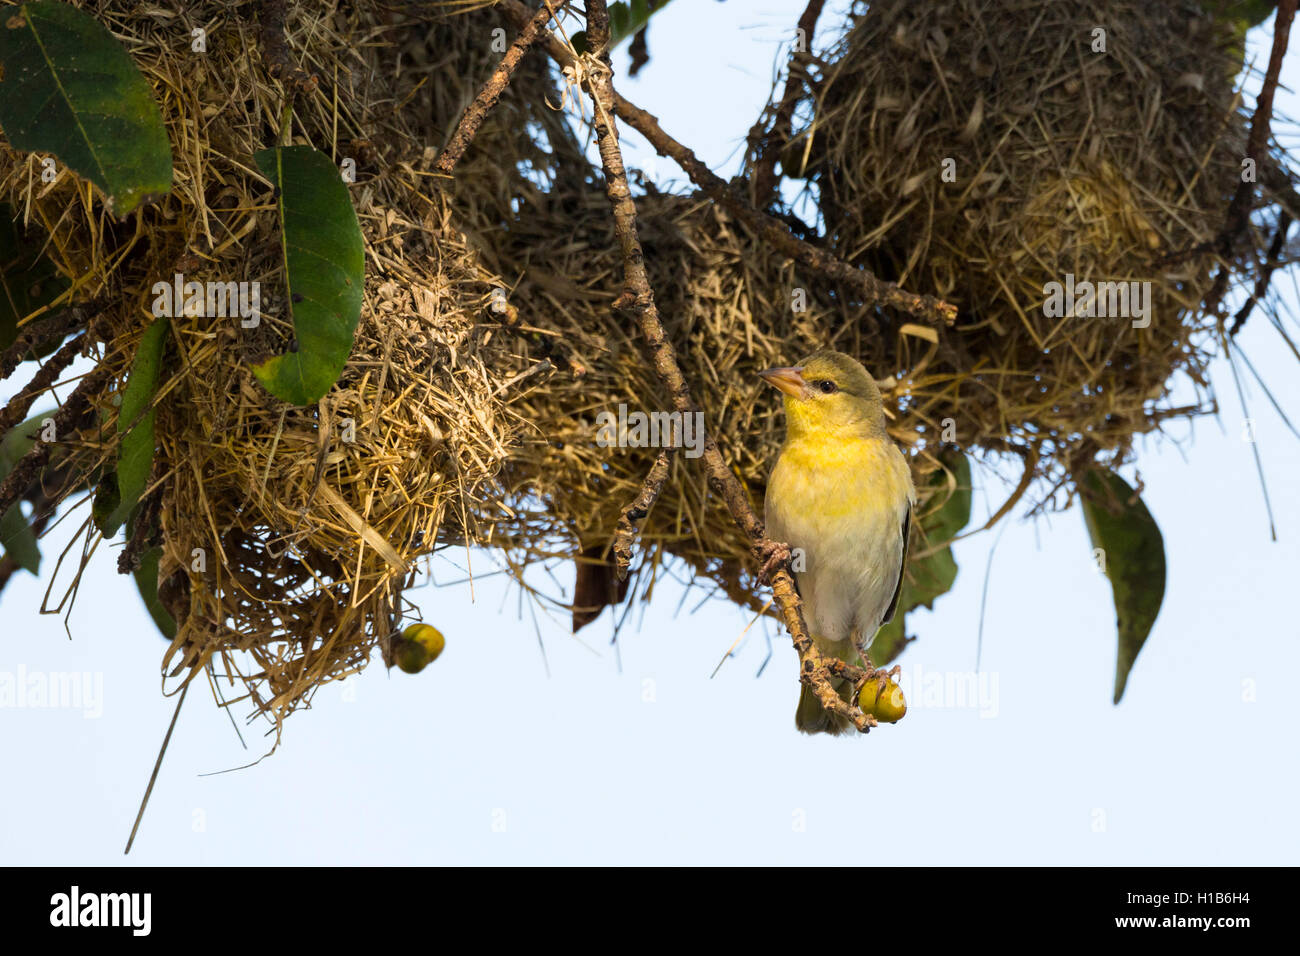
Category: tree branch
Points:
column 1237, row 220
column 44, row 329
column 767, row 145
column 275, row 49
column 16, row 410
column 638, row 509
column 28, row 468
column 1257, row 142
column 491, row 92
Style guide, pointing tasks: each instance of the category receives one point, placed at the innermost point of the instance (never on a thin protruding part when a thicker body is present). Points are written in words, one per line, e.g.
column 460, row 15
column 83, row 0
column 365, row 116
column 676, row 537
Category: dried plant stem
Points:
column 638, row 298
column 872, row 290
column 767, row 145
column 153, row 777
column 487, row 97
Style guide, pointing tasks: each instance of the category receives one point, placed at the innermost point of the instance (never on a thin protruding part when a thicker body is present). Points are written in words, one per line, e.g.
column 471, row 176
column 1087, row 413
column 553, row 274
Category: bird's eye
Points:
column 825, row 386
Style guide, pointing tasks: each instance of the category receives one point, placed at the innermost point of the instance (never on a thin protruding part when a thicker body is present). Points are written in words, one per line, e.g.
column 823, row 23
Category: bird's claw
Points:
column 881, row 677
column 775, row 554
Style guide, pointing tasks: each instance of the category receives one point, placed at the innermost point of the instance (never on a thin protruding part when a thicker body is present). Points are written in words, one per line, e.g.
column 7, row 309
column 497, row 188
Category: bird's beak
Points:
column 788, row 380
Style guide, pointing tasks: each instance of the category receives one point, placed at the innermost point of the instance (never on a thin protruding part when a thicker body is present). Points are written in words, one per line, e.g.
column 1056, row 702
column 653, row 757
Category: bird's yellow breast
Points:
column 841, row 501
column 841, row 476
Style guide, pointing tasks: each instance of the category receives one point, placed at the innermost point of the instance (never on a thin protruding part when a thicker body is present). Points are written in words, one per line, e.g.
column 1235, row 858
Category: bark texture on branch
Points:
column 491, row 92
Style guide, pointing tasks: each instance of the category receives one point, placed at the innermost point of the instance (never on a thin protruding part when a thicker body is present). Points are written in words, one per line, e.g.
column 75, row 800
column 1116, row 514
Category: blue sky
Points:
column 655, row 762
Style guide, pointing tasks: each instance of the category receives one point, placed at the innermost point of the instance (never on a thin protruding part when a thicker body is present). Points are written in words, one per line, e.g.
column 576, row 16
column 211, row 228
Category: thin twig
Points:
column 46, row 376
column 1257, row 142
column 767, row 145
column 28, row 468
column 638, row 298
column 1271, row 263
column 46, row 328
column 638, row 508
column 1237, row 220
column 871, row 289
column 492, row 90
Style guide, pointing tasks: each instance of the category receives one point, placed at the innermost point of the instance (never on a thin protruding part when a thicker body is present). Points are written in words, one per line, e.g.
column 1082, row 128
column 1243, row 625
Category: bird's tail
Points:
column 813, row 718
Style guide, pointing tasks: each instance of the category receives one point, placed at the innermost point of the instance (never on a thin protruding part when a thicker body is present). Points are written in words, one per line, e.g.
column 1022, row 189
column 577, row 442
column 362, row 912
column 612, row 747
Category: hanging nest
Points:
column 288, row 533
column 732, row 308
column 982, row 150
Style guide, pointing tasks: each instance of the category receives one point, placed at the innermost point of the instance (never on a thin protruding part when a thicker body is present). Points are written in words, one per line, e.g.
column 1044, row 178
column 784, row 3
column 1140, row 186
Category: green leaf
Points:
column 17, row 539
column 119, row 493
column 1133, row 552
column 28, row 280
column 68, row 87
column 324, row 258
column 1250, row 13
column 618, row 22
column 625, row 22
column 19, row 440
column 947, row 512
column 146, row 579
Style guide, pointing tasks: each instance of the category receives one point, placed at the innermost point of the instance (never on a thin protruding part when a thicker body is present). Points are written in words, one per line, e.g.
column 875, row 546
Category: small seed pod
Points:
column 417, row 647
column 882, row 699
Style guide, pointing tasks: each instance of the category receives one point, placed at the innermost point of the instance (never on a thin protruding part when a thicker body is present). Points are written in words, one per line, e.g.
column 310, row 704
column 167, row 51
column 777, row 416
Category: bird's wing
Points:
column 902, row 569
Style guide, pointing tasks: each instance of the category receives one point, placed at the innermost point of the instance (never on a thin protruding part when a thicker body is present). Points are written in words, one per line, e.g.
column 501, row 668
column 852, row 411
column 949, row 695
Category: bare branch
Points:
column 53, row 325
column 638, row 508
column 16, row 410
column 491, row 92
column 767, row 145
column 275, row 49
column 28, row 468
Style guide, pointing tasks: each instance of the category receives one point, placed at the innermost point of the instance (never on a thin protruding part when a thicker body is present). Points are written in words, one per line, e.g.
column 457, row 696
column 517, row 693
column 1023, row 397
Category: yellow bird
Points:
column 841, row 497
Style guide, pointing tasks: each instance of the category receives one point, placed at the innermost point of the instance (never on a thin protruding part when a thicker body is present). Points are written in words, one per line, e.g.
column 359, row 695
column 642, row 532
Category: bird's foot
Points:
column 880, row 677
column 775, row 554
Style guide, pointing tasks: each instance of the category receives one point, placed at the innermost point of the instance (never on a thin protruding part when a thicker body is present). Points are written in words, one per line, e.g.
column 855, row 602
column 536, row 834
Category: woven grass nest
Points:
column 1107, row 167
column 1065, row 161
column 285, row 546
column 729, row 304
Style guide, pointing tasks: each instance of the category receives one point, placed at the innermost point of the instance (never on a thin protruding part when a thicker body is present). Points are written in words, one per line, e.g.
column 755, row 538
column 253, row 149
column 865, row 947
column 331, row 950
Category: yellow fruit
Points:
column 882, row 700
column 417, row 646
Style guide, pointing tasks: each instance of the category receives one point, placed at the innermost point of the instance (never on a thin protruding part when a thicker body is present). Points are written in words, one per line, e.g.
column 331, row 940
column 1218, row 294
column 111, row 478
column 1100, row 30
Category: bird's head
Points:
column 828, row 391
